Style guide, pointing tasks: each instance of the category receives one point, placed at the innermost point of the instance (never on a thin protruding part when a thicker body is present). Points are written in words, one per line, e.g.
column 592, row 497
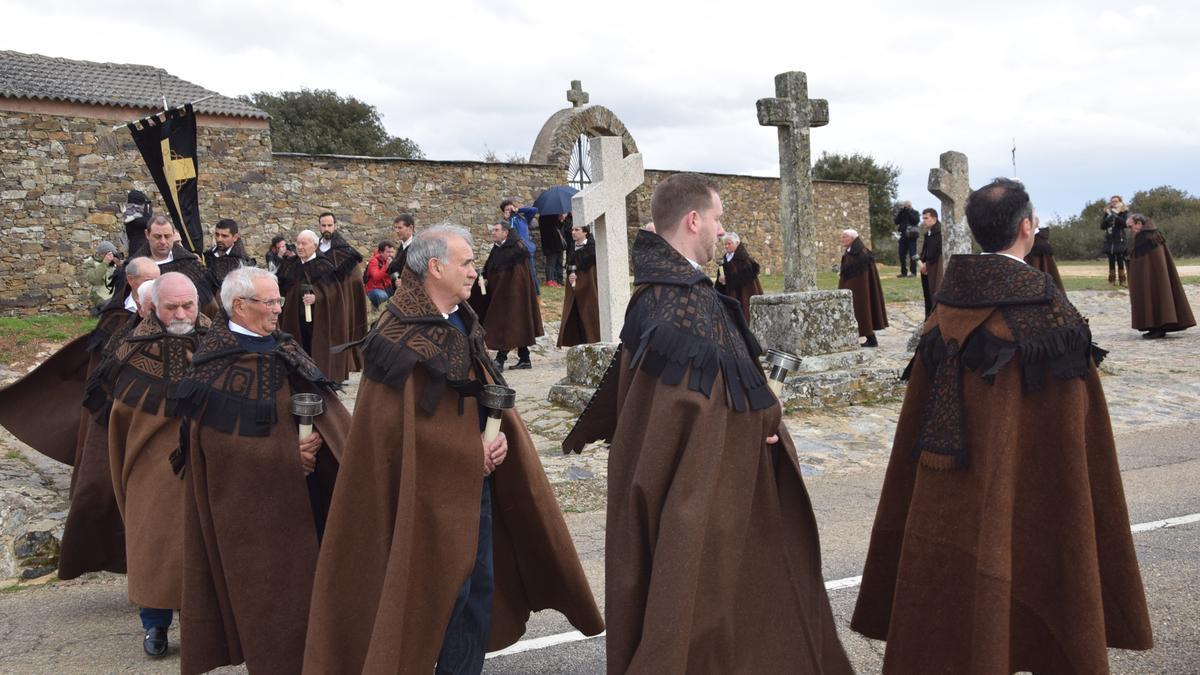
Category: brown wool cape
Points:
column 404, row 524
column 348, row 270
column 741, row 278
column 330, row 313
column 514, row 318
column 1041, row 257
column 1001, row 541
column 860, row 276
column 143, row 434
column 1156, row 297
column 250, row 516
column 712, row 559
column 580, row 322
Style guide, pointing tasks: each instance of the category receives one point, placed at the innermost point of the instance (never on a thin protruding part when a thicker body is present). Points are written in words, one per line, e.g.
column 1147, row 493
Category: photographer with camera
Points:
column 1114, row 226
column 907, row 233
column 99, row 270
column 280, row 249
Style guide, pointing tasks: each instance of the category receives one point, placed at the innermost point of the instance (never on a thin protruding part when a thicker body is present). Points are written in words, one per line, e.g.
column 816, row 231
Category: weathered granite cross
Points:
column 613, row 178
column 950, row 183
column 794, row 113
column 576, row 95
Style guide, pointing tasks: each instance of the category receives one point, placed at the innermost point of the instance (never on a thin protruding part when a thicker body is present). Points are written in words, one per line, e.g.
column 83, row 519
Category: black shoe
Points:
column 523, row 365
column 155, row 643
column 901, row 276
column 499, row 366
column 871, row 342
column 1155, row 334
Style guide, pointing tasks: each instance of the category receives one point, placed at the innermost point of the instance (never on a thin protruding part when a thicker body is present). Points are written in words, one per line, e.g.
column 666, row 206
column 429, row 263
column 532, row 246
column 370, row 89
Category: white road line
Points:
column 534, row 644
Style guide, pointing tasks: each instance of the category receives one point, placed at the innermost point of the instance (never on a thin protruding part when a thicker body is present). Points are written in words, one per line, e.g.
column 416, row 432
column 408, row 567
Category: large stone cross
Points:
column 794, row 113
column 613, row 178
column 576, row 95
column 951, row 184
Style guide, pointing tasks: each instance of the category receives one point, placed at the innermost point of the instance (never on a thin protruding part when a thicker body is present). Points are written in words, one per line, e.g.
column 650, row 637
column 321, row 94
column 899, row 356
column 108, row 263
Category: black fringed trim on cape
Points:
column 343, row 256
column 1146, row 241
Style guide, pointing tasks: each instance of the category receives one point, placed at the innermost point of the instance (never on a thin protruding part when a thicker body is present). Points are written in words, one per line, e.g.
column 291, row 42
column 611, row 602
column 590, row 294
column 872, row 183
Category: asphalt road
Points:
column 88, row 626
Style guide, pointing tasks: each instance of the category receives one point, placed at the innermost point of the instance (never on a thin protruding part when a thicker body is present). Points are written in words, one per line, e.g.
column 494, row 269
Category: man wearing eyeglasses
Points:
column 256, row 493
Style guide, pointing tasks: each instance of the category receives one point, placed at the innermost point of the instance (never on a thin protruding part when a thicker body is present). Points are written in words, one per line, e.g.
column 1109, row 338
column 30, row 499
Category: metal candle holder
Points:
column 305, row 407
column 306, row 289
column 496, row 398
column 781, row 363
column 571, row 270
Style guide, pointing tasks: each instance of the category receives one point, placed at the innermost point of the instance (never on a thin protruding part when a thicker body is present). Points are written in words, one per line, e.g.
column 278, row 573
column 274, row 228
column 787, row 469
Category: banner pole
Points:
column 122, row 125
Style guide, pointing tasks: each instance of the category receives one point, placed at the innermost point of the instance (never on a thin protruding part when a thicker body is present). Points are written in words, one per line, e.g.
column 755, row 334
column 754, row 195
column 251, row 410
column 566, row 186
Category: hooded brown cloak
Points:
column 1002, row 541
column 347, row 269
column 580, row 322
column 514, row 318
column 741, row 278
column 931, row 255
column 1041, row 257
column 216, row 268
column 861, row 277
column 251, row 518
column 712, row 560
column 330, row 326
column 404, row 525
column 1156, row 297
column 143, row 434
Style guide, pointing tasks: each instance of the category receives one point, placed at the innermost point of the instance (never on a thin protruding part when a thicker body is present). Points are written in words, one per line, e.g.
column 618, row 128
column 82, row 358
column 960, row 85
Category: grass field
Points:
column 22, row 337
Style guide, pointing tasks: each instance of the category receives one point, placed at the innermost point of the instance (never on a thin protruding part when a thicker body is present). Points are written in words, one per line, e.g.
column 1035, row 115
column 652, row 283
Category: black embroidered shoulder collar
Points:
column 1146, row 241
column 993, row 281
column 677, row 324
column 150, row 364
column 510, row 253
column 413, row 332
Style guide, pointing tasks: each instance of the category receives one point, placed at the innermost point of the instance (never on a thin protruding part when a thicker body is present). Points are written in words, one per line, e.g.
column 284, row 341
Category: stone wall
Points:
column 63, row 181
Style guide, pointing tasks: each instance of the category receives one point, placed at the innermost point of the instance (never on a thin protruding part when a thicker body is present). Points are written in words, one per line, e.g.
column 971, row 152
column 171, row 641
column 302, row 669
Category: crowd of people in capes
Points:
column 215, row 465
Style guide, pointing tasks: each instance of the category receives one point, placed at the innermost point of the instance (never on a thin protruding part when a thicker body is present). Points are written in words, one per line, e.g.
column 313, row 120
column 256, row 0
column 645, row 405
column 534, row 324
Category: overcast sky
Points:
column 1101, row 97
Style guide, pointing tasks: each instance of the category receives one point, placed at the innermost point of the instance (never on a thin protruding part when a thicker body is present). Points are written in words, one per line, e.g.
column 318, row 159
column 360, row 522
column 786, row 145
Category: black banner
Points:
column 169, row 150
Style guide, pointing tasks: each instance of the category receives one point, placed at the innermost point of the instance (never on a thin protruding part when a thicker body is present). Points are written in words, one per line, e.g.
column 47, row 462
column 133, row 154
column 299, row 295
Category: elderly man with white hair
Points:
column 315, row 310
column 256, row 485
column 737, row 273
column 143, row 441
column 860, row 276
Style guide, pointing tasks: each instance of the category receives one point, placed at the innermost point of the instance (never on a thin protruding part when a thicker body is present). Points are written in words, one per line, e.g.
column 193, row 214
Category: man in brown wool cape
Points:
column 439, row 543
column 1002, row 541
column 43, row 410
column 1157, row 300
column 256, row 494
column 514, row 318
column 580, row 322
column 712, row 560
column 309, row 280
column 143, row 439
column 859, row 275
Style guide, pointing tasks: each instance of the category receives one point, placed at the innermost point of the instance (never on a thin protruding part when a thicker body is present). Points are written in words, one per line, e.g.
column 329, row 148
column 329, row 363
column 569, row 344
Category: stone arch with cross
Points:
column 560, row 134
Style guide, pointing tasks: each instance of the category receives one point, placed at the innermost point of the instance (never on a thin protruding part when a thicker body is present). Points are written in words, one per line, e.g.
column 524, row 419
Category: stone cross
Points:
column 603, row 201
column 576, row 95
column 950, row 183
column 794, row 113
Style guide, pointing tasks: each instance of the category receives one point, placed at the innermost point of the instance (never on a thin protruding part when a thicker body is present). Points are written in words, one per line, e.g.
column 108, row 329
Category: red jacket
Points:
column 377, row 276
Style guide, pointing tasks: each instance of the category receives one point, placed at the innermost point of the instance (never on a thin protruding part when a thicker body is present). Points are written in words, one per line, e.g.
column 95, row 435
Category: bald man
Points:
column 143, row 446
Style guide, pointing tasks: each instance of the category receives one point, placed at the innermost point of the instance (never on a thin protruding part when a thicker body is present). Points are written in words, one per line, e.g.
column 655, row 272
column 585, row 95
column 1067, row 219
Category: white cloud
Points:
column 1090, row 90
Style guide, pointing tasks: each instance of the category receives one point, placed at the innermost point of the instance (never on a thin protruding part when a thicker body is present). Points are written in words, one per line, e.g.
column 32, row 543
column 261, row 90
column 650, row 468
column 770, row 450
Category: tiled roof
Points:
column 33, row 76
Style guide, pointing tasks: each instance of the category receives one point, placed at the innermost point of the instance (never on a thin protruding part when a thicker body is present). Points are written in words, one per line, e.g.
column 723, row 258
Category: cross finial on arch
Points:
column 576, row 95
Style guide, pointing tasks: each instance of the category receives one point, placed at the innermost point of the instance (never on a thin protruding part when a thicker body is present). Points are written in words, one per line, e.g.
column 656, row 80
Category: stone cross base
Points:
column 585, row 366
column 807, row 323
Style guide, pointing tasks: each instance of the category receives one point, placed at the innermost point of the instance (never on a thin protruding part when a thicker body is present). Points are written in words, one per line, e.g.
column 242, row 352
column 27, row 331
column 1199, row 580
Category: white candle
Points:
column 482, row 286
column 776, row 386
column 492, row 430
column 305, row 431
column 308, row 313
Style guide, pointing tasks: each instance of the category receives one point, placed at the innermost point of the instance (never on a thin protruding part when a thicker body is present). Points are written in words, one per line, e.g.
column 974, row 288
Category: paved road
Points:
column 87, row 625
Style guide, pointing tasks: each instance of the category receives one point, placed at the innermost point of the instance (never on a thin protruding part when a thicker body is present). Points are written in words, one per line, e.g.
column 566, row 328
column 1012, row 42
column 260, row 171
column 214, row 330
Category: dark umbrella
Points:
column 555, row 201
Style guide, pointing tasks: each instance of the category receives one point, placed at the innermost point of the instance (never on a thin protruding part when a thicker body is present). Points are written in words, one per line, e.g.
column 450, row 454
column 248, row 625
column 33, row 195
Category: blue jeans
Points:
column 155, row 618
column 466, row 637
column 377, row 296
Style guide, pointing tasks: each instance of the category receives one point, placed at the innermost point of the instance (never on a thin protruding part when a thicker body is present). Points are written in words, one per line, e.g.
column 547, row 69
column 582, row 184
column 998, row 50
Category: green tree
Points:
column 319, row 122
column 882, row 181
column 1175, row 212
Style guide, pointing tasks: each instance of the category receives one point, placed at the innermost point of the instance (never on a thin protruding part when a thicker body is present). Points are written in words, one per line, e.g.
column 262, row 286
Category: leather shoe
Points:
column 871, row 342
column 1155, row 334
column 155, row 643
column 523, row 365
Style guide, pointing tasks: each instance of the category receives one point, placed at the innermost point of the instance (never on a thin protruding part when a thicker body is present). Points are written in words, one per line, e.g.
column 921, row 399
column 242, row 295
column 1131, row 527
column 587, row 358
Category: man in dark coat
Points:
column 137, row 214
column 860, row 276
column 256, row 492
column 550, row 226
column 171, row 256
column 1157, row 300
column 1041, row 256
column 312, row 290
column 440, row 542
column 737, row 273
column 1114, row 223
column 580, row 323
column 227, row 253
column 906, row 226
column 514, row 318
column 930, row 265
column 143, row 439
column 405, row 227
column 991, row 554
column 712, row 559
column 347, row 266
